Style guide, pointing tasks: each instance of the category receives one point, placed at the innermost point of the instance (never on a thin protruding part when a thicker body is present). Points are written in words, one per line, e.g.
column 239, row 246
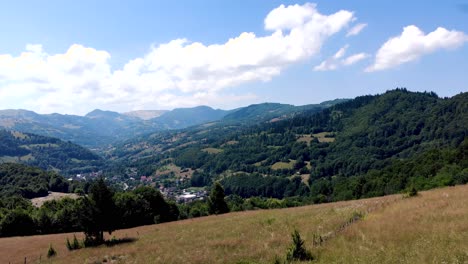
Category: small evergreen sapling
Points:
column 51, row 252
column 297, row 251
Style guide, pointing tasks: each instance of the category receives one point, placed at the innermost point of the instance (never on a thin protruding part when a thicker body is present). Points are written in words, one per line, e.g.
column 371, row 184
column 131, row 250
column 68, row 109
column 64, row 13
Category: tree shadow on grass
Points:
column 117, row 241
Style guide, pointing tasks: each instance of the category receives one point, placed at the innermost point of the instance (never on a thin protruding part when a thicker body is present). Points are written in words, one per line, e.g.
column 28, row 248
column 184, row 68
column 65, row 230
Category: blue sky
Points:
column 75, row 56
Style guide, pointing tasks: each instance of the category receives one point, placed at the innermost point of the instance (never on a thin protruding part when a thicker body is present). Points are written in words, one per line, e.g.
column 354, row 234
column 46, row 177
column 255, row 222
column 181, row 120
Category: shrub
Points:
column 297, row 251
column 51, row 252
column 75, row 245
column 69, row 245
column 411, row 193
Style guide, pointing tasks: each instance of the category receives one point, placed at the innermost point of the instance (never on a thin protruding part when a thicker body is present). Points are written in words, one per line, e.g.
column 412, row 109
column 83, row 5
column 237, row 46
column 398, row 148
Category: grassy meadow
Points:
column 429, row 228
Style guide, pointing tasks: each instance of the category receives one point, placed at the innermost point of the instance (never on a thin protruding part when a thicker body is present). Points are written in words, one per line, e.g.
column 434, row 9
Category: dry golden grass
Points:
column 212, row 150
column 178, row 171
column 231, row 142
column 39, row 201
column 429, row 228
column 307, row 138
column 283, row 165
column 322, row 137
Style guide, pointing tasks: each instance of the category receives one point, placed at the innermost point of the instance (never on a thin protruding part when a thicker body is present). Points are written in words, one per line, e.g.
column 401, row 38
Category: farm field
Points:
column 429, row 228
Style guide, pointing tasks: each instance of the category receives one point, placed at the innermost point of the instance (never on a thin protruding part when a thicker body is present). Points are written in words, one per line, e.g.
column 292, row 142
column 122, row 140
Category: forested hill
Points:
column 47, row 153
column 354, row 149
column 29, row 182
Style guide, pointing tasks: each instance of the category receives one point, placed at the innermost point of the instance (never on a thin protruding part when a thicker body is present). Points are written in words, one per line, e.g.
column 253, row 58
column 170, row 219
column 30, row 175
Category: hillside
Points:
column 29, row 182
column 99, row 129
column 47, row 153
column 185, row 117
column 145, row 114
column 368, row 146
column 428, row 228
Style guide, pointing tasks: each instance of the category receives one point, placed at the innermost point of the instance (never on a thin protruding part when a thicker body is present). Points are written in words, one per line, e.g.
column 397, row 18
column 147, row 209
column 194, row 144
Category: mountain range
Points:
column 99, row 129
column 368, row 146
column 342, row 149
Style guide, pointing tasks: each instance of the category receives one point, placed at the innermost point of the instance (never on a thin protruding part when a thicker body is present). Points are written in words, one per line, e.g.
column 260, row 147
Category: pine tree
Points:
column 297, row 251
column 99, row 213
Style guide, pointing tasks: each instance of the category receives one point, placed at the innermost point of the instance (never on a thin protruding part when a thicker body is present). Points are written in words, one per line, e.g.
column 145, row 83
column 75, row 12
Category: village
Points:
column 171, row 187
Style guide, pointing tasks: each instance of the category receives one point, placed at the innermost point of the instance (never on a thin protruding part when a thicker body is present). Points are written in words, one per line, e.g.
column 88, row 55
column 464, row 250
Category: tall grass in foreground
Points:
column 428, row 228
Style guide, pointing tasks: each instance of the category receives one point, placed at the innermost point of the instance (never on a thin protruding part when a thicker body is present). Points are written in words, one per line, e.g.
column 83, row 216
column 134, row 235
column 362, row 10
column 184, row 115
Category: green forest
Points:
column 47, row 153
column 369, row 146
column 357, row 148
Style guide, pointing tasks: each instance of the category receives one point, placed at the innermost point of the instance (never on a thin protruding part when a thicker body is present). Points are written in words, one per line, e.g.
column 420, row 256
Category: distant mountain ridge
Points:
column 146, row 114
column 100, row 128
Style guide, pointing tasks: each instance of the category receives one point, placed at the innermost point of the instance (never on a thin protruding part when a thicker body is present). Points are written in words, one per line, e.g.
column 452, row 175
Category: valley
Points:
column 274, row 167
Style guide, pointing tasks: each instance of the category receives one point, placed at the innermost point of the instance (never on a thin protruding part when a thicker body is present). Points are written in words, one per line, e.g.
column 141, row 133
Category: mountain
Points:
column 232, row 122
column 47, row 153
column 271, row 112
column 85, row 131
column 146, row 114
column 99, row 128
column 185, row 117
column 367, row 146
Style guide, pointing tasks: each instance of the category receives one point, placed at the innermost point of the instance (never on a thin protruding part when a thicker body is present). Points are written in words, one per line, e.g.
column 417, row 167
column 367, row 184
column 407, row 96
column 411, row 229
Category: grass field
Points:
column 429, row 228
column 324, row 137
column 283, row 165
column 39, row 201
column 212, row 150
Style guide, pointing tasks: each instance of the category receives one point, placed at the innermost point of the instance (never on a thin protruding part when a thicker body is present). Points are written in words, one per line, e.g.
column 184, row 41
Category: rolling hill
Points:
column 100, row 129
column 29, row 182
column 47, row 153
column 428, row 228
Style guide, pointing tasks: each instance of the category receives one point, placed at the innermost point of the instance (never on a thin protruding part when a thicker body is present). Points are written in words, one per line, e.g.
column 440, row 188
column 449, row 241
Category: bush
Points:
column 51, row 252
column 411, row 193
column 297, row 251
column 75, row 245
column 69, row 245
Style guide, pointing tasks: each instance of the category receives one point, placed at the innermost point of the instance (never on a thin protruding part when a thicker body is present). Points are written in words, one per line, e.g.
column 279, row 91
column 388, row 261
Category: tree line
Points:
column 101, row 210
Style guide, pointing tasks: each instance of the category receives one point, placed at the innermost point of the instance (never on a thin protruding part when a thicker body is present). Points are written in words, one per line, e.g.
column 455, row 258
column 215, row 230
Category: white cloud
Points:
column 336, row 60
column 174, row 74
column 356, row 29
column 413, row 44
column 354, row 59
column 341, row 52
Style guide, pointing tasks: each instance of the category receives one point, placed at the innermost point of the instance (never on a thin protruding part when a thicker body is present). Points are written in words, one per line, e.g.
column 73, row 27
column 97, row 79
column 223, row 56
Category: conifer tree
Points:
column 216, row 202
column 99, row 213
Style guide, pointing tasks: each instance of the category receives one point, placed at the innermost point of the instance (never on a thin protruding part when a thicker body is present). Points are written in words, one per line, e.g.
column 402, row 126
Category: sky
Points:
column 71, row 57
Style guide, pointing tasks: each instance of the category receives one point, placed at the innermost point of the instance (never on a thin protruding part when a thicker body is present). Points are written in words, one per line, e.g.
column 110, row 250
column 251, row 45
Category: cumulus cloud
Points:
column 174, row 74
column 413, row 44
column 356, row 29
column 337, row 60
